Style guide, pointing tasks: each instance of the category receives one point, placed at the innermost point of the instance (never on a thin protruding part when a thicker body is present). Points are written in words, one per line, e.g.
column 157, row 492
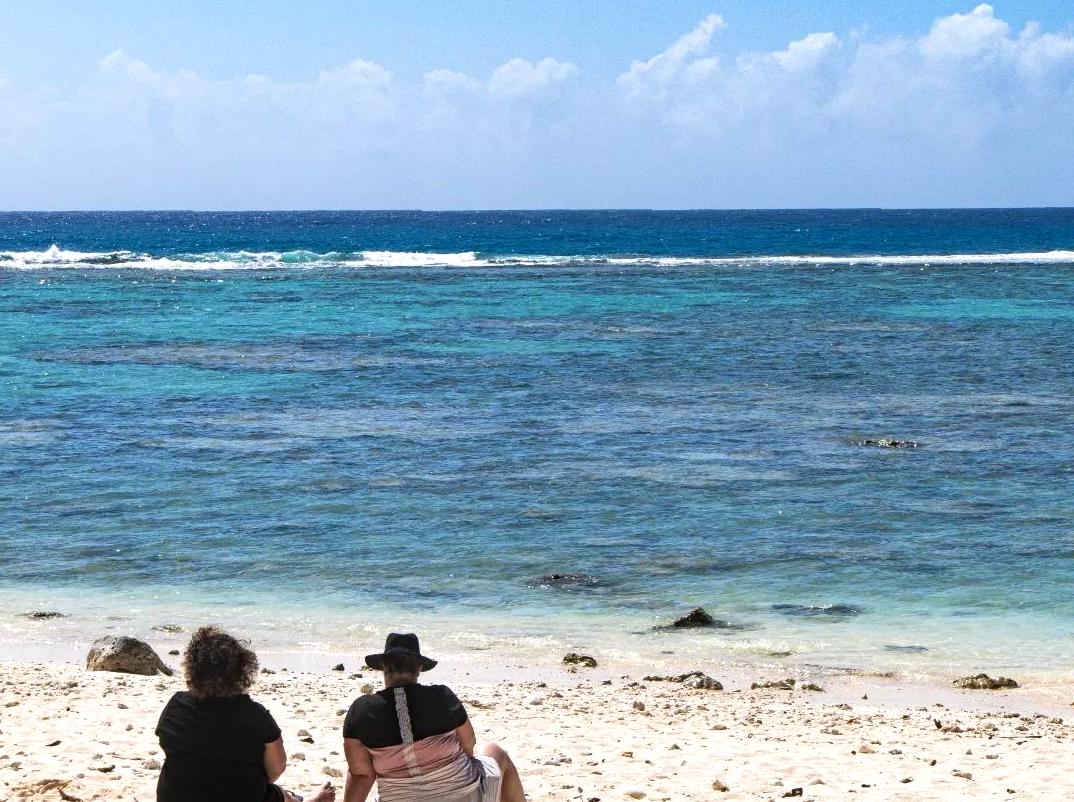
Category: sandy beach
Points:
column 584, row 734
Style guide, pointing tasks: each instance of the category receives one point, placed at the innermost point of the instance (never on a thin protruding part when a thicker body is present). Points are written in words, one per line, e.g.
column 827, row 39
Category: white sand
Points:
column 69, row 734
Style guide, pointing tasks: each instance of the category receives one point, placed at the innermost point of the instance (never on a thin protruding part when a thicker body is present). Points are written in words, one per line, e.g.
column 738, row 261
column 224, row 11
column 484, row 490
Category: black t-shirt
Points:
column 434, row 710
column 214, row 749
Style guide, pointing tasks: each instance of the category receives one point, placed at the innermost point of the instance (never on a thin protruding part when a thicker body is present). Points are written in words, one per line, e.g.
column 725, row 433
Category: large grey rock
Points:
column 126, row 656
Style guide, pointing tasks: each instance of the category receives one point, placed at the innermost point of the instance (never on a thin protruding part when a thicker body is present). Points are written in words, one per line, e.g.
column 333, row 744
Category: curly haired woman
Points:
column 219, row 744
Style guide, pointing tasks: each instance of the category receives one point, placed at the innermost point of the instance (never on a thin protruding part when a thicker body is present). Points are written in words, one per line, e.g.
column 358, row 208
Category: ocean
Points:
column 315, row 426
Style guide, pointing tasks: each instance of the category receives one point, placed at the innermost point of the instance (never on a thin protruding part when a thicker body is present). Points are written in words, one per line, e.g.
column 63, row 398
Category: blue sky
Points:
column 126, row 104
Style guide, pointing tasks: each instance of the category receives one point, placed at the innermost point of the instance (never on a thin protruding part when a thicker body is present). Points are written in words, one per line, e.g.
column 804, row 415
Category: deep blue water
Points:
column 588, row 233
column 261, row 407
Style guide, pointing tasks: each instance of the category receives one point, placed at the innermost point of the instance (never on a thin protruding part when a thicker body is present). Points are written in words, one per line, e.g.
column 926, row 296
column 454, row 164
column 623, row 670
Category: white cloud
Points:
column 683, row 55
column 358, row 73
column 118, row 63
column 966, row 105
column 808, row 52
column 968, row 111
column 448, row 80
column 967, row 35
column 520, row 78
column 1042, row 53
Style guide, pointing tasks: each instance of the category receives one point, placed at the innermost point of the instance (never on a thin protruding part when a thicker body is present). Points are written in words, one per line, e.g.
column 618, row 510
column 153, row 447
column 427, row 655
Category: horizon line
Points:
column 482, row 210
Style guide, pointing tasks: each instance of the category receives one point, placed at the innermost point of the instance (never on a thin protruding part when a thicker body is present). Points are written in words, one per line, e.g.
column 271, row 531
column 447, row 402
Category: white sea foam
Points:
column 55, row 257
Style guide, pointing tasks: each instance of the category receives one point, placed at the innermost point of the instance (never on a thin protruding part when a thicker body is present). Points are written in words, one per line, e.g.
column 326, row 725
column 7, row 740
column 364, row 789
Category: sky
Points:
column 249, row 104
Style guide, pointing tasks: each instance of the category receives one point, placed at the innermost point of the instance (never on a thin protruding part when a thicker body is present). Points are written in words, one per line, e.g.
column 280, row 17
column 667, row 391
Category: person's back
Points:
column 416, row 741
column 429, row 759
column 214, row 748
column 220, row 745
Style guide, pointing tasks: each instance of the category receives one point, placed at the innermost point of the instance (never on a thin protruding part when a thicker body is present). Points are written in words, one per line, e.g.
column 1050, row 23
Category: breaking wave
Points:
column 57, row 258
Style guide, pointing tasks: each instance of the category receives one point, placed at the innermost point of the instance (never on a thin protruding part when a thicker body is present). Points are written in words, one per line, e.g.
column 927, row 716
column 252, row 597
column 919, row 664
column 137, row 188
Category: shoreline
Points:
column 925, row 652
column 490, row 658
column 1041, row 693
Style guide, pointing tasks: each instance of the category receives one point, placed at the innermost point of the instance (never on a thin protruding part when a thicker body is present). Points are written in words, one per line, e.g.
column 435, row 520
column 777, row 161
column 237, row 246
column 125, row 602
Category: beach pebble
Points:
column 573, row 658
column 983, row 682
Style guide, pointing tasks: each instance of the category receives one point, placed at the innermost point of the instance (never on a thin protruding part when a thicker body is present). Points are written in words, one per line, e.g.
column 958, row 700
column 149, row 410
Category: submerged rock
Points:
column 172, row 628
column 906, row 649
column 41, row 615
column 884, row 442
column 125, row 655
column 983, row 682
column 565, row 581
column 695, row 618
column 580, row 660
column 776, row 685
column 818, row 611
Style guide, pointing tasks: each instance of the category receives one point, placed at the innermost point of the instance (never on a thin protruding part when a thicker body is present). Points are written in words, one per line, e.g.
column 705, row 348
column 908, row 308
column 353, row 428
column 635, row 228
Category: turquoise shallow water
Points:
column 318, row 424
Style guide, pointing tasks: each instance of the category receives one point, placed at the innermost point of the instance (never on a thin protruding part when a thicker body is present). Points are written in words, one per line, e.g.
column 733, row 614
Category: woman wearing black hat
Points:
column 416, row 741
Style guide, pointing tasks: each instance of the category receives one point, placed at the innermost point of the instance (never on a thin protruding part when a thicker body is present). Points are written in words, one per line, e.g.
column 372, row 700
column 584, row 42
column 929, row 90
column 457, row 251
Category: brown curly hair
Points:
column 218, row 665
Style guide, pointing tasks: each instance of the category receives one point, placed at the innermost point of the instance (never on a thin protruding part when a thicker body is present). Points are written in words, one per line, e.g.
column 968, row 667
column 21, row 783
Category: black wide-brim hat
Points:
column 400, row 644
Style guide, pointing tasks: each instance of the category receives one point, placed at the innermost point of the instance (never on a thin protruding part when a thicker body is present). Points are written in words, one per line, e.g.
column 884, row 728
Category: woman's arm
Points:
column 360, row 772
column 275, row 759
column 467, row 737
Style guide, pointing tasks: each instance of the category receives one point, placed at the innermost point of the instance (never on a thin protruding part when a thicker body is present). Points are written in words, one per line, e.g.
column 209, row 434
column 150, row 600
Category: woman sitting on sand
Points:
column 417, row 742
column 220, row 745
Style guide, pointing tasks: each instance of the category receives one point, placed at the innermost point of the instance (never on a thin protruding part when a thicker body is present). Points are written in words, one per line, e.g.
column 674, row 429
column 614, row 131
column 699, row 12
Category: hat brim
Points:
column 376, row 661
